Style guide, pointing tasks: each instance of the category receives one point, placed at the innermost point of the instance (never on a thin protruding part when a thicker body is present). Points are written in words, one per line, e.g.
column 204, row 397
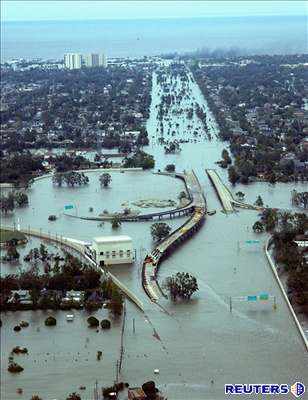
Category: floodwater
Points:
column 198, row 346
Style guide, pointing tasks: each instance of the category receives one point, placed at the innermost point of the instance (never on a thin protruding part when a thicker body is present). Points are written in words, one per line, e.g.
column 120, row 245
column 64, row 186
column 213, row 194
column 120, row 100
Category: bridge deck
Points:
column 224, row 194
column 152, row 260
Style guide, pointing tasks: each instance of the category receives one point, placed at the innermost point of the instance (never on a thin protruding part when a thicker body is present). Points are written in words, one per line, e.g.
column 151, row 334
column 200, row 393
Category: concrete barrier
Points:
column 273, row 266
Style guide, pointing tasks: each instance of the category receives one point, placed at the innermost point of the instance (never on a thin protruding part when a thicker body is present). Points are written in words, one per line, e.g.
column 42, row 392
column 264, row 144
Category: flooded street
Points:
column 198, row 341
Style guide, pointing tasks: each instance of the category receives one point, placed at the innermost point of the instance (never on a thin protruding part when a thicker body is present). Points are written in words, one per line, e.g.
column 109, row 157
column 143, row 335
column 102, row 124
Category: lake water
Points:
column 132, row 38
column 198, row 341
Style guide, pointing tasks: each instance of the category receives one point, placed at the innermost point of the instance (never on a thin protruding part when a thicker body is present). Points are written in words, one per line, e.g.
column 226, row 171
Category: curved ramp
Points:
column 167, row 245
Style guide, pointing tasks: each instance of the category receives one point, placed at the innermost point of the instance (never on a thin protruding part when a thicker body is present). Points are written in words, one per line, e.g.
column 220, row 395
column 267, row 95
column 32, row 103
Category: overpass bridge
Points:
column 167, row 245
column 225, row 196
column 158, row 215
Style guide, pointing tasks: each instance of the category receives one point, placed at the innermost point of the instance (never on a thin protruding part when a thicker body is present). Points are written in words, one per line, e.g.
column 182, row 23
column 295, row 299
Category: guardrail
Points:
column 152, row 260
column 63, row 241
column 273, row 267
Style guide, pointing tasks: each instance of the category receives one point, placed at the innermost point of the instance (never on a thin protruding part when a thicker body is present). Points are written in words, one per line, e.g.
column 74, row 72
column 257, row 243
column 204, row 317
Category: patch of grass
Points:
column 6, row 236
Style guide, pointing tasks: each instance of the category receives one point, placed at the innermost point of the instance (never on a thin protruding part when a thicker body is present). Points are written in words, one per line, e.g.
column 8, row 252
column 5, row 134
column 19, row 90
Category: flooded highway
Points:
column 199, row 345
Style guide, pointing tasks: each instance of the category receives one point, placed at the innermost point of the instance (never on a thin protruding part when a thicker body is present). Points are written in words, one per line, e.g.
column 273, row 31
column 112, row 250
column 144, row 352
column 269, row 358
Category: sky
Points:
column 24, row 10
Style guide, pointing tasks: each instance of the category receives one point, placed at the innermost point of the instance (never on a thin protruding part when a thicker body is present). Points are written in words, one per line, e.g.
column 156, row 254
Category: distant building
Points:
column 102, row 60
column 91, row 60
column 95, row 60
column 108, row 250
column 72, row 61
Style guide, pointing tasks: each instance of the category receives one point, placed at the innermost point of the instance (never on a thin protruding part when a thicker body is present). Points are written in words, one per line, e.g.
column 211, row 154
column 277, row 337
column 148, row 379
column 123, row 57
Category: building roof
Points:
column 136, row 393
column 112, row 239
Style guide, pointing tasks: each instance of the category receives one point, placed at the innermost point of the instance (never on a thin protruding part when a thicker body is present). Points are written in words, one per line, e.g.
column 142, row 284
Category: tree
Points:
column 182, row 195
column 43, row 252
column 73, row 396
column 160, row 230
column 93, row 322
column 105, row 179
column 21, row 199
column 258, row 227
column 269, row 218
column 58, row 179
column 286, row 218
column 115, row 222
column 12, row 253
column 105, row 324
column 35, row 295
column 36, row 397
column 226, row 158
column 272, row 178
column 240, row 195
column 300, row 199
column 181, row 285
column 7, row 203
column 116, row 301
column 71, row 178
column 170, row 168
column 139, row 159
column 233, row 175
column 259, row 201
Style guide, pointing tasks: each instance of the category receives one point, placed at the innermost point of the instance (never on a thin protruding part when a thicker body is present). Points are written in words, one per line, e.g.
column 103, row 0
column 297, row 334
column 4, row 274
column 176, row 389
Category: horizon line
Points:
column 158, row 18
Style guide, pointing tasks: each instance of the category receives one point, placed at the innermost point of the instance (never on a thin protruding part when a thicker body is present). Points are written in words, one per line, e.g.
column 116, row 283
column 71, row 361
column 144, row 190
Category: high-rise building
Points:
column 102, row 60
column 72, row 60
column 95, row 60
column 75, row 60
column 91, row 60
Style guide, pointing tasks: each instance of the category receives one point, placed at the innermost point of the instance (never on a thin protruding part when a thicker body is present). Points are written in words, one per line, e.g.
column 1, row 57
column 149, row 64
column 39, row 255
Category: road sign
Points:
column 263, row 296
column 252, row 298
column 68, row 207
column 252, row 241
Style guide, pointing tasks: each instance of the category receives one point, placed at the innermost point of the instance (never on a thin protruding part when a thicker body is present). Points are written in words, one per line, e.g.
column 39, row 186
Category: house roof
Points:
column 137, row 393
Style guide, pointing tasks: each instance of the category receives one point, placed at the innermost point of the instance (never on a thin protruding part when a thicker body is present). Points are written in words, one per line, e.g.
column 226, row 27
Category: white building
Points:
column 72, row 60
column 108, row 250
column 102, row 60
column 95, row 60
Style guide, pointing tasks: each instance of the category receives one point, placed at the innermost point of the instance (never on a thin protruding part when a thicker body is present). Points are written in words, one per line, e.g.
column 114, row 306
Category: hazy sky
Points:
column 24, row 10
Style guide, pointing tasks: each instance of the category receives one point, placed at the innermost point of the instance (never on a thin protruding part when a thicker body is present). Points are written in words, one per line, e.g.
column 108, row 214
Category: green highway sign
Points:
column 68, row 207
column 252, row 241
column 263, row 296
column 252, row 298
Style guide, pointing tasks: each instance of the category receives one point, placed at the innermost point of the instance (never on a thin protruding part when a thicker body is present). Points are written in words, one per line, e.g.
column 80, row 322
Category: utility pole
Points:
column 117, row 372
column 96, row 391
column 134, row 330
column 230, row 303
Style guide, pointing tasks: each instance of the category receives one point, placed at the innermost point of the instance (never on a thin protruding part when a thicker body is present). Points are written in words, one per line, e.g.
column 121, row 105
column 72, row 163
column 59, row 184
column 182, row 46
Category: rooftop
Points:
column 112, row 239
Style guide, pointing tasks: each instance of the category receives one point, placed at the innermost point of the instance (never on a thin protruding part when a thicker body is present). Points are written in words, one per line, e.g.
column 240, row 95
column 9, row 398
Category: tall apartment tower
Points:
column 95, row 60
column 72, row 60
column 102, row 60
column 91, row 60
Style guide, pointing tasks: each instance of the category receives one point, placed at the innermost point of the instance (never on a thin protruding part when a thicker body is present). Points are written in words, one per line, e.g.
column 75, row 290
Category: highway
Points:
column 224, row 194
column 152, row 260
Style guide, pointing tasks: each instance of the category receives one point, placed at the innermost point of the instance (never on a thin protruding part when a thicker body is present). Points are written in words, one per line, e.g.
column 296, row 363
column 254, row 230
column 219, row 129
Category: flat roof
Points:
column 112, row 239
